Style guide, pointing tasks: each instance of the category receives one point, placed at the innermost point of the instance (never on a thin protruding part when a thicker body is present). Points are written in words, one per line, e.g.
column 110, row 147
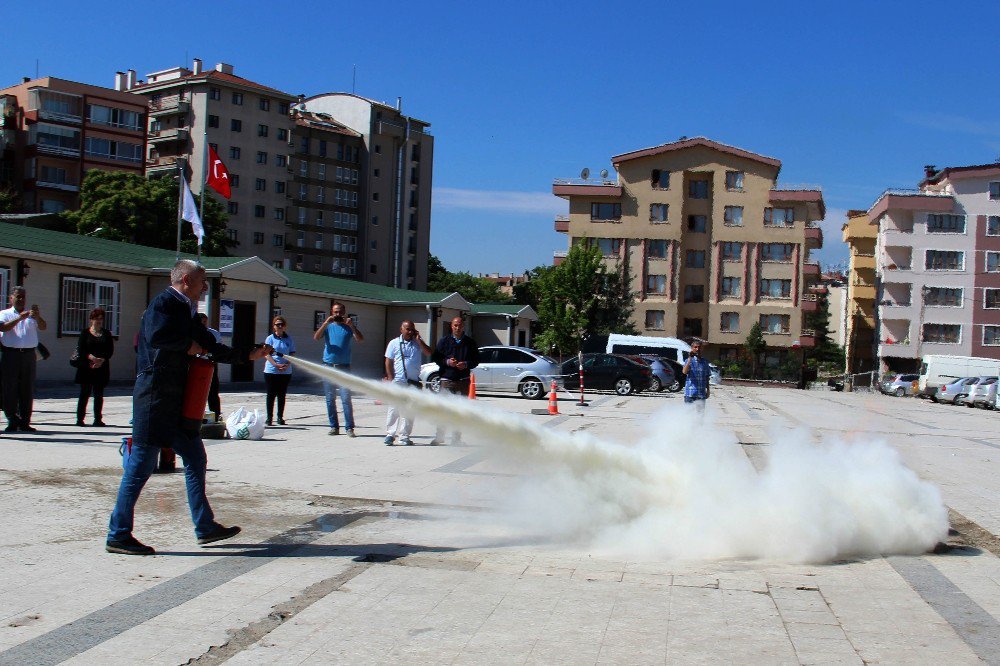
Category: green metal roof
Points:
column 497, row 308
column 75, row 246
column 350, row 288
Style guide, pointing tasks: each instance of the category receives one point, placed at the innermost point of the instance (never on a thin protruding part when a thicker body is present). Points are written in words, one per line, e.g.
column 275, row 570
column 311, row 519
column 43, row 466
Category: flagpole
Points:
column 180, row 203
column 204, row 182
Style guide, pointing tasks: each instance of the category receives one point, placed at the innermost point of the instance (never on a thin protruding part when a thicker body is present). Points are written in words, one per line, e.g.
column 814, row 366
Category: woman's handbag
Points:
column 74, row 358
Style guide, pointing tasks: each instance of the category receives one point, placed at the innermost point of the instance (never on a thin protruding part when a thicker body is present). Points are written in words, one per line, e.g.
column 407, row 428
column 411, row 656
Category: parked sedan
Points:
column 607, row 372
column 663, row 373
column 504, row 369
column 956, row 392
column 899, row 385
column 984, row 394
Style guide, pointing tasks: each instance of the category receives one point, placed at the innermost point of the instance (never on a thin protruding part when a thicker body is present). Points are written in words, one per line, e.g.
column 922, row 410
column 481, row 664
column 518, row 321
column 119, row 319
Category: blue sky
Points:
column 852, row 96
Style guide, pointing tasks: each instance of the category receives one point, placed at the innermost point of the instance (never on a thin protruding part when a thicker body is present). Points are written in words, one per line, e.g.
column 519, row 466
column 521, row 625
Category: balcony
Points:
column 168, row 135
column 899, row 349
column 810, row 195
column 810, row 303
column 168, row 106
column 863, row 260
column 569, row 187
column 558, row 258
column 811, row 270
column 862, row 291
column 912, row 201
column 814, row 236
column 562, row 224
column 161, row 165
column 58, row 106
column 55, row 185
column 807, row 338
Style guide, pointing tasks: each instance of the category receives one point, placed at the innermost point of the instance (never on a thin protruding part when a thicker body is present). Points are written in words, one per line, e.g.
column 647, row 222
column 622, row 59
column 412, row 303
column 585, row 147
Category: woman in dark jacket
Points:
column 93, row 369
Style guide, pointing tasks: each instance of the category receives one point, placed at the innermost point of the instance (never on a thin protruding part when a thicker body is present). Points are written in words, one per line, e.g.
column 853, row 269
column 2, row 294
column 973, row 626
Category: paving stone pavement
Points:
column 353, row 552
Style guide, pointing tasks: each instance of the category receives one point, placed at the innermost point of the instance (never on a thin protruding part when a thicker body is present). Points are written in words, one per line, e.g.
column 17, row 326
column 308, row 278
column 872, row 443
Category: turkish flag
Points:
column 218, row 174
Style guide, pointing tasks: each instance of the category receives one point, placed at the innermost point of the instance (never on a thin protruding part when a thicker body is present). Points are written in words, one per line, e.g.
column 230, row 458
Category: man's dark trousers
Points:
column 17, row 374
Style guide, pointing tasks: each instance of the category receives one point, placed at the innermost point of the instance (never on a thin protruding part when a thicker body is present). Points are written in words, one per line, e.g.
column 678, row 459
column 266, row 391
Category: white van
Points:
column 937, row 370
column 673, row 348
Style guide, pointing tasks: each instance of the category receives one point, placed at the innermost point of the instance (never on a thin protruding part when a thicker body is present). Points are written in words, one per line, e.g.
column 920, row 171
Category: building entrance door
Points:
column 244, row 319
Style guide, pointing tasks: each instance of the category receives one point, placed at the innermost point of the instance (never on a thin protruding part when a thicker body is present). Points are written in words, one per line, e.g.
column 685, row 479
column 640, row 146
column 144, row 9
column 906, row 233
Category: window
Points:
column 945, row 224
column 775, row 288
column 692, row 327
column 238, row 99
column 607, row 246
column 733, row 216
column 261, row 157
column 991, row 299
column 654, row 320
column 50, row 174
column 696, row 223
column 732, row 251
column 374, row 196
column 657, row 249
column 948, row 297
column 731, row 287
column 734, row 180
column 698, row 189
column 300, row 240
column 774, row 323
column 378, row 149
column 695, row 259
column 658, row 212
column 777, row 251
column 730, row 322
column 258, row 238
column 322, row 148
column 279, row 213
column 374, row 244
column 278, row 240
column 995, row 190
column 656, row 284
column 262, row 130
column 80, row 296
column 264, row 105
column 4, row 284
column 303, row 168
column 991, row 335
column 283, row 108
column 993, row 225
column 322, row 171
column 374, row 220
column 282, row 134
column 377, row 173
column 233, row 235
column 319, row 241
column 214, row 93
column 947, row 260
column 236, row 125
column 304, row 192
column 260, row 185
column 993, row 262
column 660, row 180
column 605, row 211
column 948, row 334
column 234, row 153
column 281, row 160
column 258, row 211
column 779, row 217
column 319, row 218
column 694, row 293
column 233, row 208
column 213, row 121
column 304, row 145
column 321, row 194
column 113, row 150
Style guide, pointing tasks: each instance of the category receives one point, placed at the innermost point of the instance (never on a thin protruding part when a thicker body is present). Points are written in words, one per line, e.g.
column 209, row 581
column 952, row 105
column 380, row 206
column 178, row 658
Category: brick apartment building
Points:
column 52, row 131
column 937, row 254
column 710, row 241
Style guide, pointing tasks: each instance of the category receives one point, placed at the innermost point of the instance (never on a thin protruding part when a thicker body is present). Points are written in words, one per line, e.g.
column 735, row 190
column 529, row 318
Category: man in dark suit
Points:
column 457, row 355
column 169, row 334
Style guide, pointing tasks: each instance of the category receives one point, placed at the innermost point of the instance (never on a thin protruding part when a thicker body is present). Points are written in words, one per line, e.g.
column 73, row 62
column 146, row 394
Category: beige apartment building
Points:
column 250, row 127
column 52, row 131
column 859, row 339
column 710, row 242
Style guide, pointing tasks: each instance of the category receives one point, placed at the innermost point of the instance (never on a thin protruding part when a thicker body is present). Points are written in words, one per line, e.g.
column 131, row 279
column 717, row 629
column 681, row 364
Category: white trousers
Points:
column 398, row 424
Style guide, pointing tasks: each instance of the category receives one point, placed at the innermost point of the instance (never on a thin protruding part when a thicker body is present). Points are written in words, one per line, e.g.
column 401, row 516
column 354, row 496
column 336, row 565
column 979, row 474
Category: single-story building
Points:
column 67, row 275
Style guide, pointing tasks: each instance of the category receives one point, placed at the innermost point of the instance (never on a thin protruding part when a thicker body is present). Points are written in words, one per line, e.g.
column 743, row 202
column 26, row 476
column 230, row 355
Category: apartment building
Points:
column 326, row 195
column 859, row 339
column 710, row 242
column 394, row 184
column 938, row 260
column 250, row 127
column 53, row 131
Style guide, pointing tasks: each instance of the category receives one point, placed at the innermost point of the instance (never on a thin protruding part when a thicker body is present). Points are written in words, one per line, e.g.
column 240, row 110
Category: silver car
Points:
column 984, row 394
column 899, row 385
column 505, row 369
column 956, row 392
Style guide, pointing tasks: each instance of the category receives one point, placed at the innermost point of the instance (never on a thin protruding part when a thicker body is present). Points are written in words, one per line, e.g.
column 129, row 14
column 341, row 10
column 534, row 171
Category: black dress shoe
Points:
column 27, row 428
column 10, row 428
column 281, row 421
column 100, row 424
column 81, row 424
column 128, row 546
column 218, row 534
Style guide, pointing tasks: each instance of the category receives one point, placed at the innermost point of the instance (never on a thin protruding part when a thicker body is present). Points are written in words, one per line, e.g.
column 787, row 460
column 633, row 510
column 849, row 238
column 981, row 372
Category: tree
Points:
column 754, row 345
column 581, row 296
column 10, row 200
column 826, row 353
column 473, row 289
column 129, row 208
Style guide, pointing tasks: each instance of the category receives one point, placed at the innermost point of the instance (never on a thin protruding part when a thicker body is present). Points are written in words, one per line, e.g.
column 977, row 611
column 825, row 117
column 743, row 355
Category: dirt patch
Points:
column 967, row 533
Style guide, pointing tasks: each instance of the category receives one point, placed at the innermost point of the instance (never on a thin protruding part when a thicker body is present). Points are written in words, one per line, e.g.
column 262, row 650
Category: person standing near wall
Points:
column 19, row 327
column 402, row 367
column 93, row 367
column 338, row 333
column 278, row 369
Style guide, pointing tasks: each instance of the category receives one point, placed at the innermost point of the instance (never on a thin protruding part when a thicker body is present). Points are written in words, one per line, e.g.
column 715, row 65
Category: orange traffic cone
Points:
column 553, row 401
column 472, row 387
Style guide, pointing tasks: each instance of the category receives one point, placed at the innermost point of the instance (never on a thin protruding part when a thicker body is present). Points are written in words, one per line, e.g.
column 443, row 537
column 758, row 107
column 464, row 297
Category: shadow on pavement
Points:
column 372, row 552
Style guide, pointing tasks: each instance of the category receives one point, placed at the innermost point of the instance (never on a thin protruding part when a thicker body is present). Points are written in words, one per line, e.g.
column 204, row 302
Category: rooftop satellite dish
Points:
column 604, row 173
column 585, row 174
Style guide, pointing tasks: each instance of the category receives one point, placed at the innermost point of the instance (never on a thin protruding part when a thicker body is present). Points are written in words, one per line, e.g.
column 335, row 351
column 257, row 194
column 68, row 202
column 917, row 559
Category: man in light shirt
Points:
column 19, row 328
column 402, row 367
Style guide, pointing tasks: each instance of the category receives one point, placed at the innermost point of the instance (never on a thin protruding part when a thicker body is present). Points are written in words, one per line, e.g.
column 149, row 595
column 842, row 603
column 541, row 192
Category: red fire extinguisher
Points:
column 199, row 383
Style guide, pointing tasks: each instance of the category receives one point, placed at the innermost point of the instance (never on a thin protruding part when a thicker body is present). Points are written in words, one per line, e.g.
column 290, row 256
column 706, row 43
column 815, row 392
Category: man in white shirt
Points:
column 402, row 367
column 19, row 328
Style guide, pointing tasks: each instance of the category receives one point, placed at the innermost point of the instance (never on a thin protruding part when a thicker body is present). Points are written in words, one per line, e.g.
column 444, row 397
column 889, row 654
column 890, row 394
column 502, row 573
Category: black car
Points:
column 607, row 372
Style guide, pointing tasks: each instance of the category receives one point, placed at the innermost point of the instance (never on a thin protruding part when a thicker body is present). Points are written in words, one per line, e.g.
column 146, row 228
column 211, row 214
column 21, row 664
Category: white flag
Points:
column 190, row 213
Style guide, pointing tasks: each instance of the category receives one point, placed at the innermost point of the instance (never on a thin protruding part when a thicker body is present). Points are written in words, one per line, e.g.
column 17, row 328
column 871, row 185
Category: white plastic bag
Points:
column 245, row 423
